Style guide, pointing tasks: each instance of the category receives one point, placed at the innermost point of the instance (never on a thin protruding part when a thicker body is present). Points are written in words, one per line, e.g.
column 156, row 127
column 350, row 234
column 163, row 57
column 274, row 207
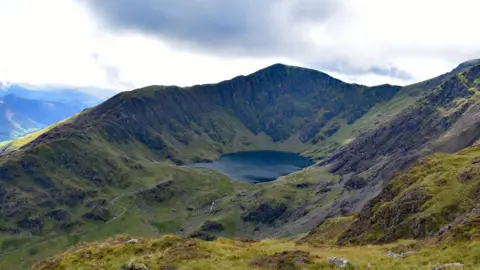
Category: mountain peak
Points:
column 283, row 69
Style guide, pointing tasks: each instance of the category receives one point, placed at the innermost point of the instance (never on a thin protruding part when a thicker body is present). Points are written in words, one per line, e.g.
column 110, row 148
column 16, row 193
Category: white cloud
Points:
column 62, row 42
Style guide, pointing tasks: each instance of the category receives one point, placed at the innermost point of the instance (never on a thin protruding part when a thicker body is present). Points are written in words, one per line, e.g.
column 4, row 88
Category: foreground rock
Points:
column 342, row 263
column 283, row 260
column 398, row 255
column 448, row 265
column 134, row 266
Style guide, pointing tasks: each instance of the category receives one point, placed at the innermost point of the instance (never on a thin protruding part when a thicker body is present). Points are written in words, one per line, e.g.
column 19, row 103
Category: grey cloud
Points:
column 236, row 27
column 384, row 70
column 245, row 26
column 113, row 74
column 391, row 71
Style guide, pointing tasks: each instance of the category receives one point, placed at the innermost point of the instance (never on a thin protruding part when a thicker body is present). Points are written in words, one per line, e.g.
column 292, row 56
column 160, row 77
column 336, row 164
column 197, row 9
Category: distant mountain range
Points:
column 23, row 110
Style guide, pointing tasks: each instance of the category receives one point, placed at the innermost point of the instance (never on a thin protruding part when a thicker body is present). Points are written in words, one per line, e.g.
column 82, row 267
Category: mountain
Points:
column 114, row 168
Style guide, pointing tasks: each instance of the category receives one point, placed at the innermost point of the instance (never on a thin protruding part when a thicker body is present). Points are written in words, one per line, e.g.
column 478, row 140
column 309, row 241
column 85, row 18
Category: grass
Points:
column 441, row 189
column 237, row 254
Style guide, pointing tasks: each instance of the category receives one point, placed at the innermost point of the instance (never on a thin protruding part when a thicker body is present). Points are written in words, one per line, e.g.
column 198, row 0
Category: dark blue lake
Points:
column 257, row 166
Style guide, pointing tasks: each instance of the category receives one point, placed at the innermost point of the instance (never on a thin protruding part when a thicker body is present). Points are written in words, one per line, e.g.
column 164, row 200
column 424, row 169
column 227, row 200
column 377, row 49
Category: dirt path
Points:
column 112, row 202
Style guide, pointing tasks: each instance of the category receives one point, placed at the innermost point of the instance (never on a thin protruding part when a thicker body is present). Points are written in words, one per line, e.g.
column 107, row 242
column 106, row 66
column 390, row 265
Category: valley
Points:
column 372, row 183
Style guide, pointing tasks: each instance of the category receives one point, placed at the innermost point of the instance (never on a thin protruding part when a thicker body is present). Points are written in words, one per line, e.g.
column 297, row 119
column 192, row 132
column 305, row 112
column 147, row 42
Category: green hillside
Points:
column 116, row 168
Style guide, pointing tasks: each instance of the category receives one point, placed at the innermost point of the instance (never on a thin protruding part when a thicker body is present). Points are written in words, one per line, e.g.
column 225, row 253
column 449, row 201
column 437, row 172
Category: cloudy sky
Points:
column 123, row 44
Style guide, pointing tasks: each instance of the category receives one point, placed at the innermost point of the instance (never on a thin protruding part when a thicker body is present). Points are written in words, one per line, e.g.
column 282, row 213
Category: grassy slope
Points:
column 198, row 186
column 442, row 189
column 237, row 254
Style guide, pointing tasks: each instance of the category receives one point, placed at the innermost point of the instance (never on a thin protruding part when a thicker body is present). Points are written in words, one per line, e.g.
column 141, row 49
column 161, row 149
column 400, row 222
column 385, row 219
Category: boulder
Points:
column 132, row 241
column 399, row 255
column 448, row 265
column 134, row 266
column 342, row 263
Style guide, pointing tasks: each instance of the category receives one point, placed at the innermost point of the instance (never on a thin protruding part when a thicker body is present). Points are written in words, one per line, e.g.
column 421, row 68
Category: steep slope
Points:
column 444, row 120
column 20, row 116
column 439, row 197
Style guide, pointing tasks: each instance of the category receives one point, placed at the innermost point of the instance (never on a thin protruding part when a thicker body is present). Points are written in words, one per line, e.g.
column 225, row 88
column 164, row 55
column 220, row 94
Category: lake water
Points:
column 257, row 166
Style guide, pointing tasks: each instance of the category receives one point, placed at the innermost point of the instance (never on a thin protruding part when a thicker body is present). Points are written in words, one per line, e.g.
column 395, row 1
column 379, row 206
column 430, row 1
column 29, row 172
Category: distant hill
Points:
column 59, row 94
column 23, row 110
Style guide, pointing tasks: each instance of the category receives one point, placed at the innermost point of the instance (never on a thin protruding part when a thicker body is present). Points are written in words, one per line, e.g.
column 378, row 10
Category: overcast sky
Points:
column 123, row 44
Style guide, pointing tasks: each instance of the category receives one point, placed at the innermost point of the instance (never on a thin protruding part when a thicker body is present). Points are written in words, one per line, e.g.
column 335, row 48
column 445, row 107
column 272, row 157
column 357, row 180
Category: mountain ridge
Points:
column 360, row 135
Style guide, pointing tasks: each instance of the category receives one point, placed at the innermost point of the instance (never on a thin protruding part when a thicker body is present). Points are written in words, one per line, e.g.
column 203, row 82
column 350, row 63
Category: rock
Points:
column 265, row 213
column 355, row 183
column 203, row 236
column 58, row 215
column 342, row 263
column 296, row 259
column 33, row 224
column 398, row 255
column 98, row 214
column 134, row 266
column 132, row 241
column 448, row 265
column 161, row 192
column 301, row 185
column 332, row 129
column 212, row 226
column 468, row 175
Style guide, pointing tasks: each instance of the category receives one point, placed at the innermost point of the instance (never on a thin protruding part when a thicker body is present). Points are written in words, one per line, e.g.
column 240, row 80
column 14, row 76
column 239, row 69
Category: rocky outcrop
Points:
column 58, row 215
column 265, row 213
column 203, row 236
column 98, row 214
column 212, row 226
column 33, row 224
column 283, row 260
column 161, row 192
